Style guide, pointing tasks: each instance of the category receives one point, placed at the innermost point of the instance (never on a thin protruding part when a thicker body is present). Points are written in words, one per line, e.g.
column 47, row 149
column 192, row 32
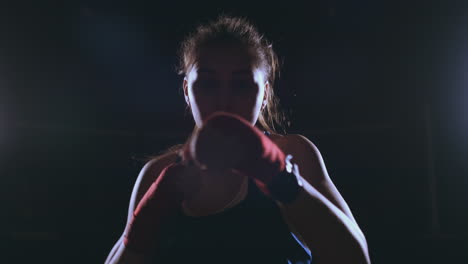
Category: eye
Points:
column 207, row 84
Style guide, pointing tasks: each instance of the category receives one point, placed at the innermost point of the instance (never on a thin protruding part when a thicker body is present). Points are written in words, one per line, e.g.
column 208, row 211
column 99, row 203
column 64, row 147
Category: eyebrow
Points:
column 237, row 72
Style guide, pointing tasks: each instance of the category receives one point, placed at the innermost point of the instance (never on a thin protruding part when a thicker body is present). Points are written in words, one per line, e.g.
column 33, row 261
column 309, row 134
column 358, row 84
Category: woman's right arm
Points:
column 119, row 253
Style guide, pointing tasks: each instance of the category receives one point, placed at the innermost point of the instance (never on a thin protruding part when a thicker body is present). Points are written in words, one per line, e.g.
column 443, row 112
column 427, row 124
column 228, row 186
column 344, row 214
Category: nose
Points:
column 224, row 100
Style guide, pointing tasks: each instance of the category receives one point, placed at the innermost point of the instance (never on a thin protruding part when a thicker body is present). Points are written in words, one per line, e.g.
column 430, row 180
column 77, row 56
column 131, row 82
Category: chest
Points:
column 253, row 231
column 222, row 190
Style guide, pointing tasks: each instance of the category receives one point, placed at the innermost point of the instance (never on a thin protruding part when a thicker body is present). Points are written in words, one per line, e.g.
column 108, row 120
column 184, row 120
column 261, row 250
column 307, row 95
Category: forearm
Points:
column 327, row 231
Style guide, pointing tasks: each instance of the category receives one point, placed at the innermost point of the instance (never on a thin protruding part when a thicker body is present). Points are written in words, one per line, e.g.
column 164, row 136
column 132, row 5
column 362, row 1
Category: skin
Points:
column 224, row 78
column 213, row 84
column 320, row 217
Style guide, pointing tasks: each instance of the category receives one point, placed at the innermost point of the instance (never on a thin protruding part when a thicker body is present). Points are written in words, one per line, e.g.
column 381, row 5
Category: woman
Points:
column 236, row 191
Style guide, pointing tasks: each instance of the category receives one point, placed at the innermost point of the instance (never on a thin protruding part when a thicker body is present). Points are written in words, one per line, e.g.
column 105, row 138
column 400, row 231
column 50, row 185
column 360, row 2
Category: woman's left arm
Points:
column 320, row 216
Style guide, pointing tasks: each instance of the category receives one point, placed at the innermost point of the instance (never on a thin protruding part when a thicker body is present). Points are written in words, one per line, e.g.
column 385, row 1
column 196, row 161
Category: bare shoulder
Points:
column 294, row 141
column 301, row 143
column 147, row 176
column 306, row 154
column 312, row 168
column 152, row 169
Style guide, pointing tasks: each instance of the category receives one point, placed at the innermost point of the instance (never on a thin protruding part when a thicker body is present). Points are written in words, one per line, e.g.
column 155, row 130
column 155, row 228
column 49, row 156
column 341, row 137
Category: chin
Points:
column 248, row 117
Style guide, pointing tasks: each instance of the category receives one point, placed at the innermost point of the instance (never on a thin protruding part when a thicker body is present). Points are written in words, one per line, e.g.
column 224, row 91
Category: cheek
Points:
column 202, row 104
column 248, row 109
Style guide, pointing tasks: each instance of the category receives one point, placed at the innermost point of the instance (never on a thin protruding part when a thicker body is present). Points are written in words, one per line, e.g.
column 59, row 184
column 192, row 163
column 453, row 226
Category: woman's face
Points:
column 224, row 78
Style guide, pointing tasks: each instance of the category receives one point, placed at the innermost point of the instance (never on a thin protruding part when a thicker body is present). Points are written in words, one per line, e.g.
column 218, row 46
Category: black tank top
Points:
column 253, row 231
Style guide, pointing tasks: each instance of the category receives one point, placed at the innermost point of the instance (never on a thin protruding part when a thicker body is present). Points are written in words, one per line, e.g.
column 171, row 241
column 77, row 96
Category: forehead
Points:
column 224, row 58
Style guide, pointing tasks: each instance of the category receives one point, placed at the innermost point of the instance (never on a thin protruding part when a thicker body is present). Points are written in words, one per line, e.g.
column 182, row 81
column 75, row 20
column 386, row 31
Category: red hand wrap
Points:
column 260, row 159
column 160, row 202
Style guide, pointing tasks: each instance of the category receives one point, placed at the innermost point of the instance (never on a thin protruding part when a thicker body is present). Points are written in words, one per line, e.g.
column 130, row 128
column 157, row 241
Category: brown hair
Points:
column 235, row 30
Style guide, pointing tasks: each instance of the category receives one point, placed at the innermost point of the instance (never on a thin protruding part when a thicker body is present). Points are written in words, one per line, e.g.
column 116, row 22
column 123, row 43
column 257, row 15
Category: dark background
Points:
column 88, row 89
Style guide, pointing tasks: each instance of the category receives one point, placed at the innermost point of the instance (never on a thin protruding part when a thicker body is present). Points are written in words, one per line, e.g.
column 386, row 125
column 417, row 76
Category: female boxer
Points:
column 237, row 191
